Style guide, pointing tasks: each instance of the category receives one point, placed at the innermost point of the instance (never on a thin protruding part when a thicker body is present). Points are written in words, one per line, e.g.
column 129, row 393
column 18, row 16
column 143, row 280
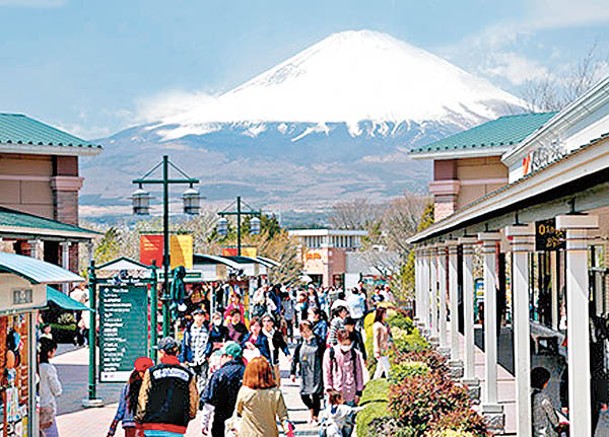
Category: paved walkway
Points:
column 75, row 421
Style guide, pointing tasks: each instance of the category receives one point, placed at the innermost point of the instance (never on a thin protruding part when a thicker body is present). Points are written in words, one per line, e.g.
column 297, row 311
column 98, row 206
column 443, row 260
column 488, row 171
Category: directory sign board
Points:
column 123, row 330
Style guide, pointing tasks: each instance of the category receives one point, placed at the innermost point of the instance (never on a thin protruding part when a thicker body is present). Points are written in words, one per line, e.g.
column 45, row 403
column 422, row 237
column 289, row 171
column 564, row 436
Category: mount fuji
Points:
column 333, row 122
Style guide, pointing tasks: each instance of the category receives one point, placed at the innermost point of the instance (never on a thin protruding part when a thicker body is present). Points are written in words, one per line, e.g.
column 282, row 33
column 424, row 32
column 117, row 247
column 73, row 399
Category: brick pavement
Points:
column 75, row 421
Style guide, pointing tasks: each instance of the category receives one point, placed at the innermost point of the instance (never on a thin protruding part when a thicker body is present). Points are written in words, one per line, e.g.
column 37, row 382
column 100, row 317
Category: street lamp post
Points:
column 141, row 206
column 254, row 222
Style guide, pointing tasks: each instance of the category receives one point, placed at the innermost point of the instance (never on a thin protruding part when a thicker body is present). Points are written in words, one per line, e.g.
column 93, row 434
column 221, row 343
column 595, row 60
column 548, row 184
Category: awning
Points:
column 123, row 263
column 213, row 259
column 36, row 271
column 65, row 302
column 269, row 262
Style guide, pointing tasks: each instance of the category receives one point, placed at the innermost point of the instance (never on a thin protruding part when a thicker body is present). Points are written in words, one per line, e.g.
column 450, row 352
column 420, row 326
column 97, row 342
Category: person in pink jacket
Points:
column 343, row 369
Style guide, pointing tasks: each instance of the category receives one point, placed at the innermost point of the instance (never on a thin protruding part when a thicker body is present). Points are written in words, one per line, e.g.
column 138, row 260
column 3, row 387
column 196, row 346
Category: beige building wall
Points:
column 478, row 177
column 25, row 184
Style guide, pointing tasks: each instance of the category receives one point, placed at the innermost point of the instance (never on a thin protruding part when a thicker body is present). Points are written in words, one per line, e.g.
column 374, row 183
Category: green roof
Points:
column 504, row 131
column 12, row 221
column 20, row 129
column 36, row 271
column 64, row 301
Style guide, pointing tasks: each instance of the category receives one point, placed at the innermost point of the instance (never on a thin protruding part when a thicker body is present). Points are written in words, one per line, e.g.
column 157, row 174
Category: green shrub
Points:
column 420, row 400
column 459, row 423
column 71, row 327
column 375, row 391
column 372, row 412
column 436, row 362
column 413, row 342
column 408, row 369
column 398, row 319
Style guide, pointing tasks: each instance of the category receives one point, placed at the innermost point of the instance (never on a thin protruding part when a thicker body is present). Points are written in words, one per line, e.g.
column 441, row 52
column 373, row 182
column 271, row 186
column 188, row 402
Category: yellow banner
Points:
column 181, row 250
column 252, row 252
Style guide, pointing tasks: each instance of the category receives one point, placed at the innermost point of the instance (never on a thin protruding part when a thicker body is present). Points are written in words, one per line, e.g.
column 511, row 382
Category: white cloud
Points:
column 556, row 14
column 514, row 67
column 34, row 3
column 166, row 105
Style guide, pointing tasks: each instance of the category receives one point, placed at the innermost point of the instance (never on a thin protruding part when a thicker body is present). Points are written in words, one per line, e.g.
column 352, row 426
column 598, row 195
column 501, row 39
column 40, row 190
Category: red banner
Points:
column 151, row 248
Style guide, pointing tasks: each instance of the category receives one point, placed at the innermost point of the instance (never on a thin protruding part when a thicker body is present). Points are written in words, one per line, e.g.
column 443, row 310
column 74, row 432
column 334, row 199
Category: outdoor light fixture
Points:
column 223, row 226
column 192, row 199
column 141, row 201
column 255, row 226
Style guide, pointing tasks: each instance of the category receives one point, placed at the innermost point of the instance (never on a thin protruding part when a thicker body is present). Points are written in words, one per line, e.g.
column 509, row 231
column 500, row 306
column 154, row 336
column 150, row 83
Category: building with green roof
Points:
column 467, row 165
column 39, row 187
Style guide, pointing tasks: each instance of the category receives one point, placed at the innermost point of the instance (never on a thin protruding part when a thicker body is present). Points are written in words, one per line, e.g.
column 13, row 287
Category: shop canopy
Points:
column 123, row 263
column 36, row 271
column 213, row 259
column 64, row 301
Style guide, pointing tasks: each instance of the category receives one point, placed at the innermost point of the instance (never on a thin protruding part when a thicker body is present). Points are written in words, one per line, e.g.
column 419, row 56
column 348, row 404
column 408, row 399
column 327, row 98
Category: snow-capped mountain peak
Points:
column 351, row 77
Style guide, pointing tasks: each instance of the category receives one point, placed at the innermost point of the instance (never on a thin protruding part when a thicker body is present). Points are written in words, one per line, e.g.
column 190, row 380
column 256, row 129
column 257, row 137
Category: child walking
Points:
column 128, row 401
column 338, row 417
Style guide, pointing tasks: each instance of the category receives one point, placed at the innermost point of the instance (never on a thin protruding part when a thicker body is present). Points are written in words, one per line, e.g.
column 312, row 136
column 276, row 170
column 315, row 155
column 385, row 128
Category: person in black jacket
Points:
column 356, row 336
column 168, row 397
column 218, row 334
column 270, row 342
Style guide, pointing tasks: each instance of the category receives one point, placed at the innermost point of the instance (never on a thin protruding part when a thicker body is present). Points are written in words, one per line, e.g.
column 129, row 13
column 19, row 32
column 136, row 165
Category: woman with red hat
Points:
column 128, row 401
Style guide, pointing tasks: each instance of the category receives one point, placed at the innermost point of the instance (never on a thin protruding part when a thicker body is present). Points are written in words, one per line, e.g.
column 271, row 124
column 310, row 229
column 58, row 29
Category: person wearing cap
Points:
column 220, row 395
column 127, row 405
column 194, row 346
column 168, row 398
column 339, row 312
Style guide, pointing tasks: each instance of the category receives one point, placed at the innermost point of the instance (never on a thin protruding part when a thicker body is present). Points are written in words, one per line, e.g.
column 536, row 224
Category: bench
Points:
column 545, row 340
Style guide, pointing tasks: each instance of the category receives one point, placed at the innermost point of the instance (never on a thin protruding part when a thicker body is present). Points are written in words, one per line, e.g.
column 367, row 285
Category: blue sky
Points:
column 94, row 67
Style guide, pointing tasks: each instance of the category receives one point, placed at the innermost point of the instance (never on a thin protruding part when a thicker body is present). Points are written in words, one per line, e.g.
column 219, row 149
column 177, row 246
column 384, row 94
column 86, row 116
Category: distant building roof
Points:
column 22, row 134
column 493, row 137
column 22, row 224
column 324, row 232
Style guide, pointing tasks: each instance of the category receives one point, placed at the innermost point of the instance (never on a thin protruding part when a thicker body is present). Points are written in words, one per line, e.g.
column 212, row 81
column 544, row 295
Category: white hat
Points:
column 339, row 303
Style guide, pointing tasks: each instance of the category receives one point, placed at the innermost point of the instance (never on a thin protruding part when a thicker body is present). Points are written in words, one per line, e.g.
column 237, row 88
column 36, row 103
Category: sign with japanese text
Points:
column 547, row 237
column 123, row 330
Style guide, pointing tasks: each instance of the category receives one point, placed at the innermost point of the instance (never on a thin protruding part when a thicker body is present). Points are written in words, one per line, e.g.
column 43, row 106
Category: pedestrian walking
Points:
column 236, row 328
column 320, row 325
column 338, row 417
column 168, row 399
column 218, row 334
column 260, row 403
column 343, row 369
column 308, row 364
column 545, row 420
column 270, row 342
column 194, row 345
column 357, row 306
column 220, row 395
column 380, row 342
column 127, row 405
column 356, row 337
column 235, row 304
column 49, row 388
column 339, row 312
column 289, row 315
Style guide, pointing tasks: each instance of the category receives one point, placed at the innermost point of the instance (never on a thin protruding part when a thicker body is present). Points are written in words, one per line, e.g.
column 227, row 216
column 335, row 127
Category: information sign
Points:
column 547, row 237
column 123, row 332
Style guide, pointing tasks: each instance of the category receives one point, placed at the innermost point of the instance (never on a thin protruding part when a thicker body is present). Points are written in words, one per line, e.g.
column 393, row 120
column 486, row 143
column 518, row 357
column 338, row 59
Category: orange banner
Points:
column 180, row 248
column 245, row 251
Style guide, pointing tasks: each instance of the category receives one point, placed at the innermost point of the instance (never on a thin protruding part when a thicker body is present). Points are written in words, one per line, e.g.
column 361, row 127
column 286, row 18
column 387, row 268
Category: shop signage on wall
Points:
column 22, row 296
column 547, row 237
column 123, row 330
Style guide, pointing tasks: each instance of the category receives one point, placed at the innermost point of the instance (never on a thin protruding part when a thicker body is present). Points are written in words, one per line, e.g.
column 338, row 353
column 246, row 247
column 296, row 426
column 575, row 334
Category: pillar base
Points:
column 434, row 341
column 444, row 351
column 473, row 387
column 92, row 403
column 456, row 369
column 494, row 417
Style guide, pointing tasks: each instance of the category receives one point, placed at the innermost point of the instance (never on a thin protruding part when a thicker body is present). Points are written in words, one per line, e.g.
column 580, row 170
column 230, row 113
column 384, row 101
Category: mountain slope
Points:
column 334, row 121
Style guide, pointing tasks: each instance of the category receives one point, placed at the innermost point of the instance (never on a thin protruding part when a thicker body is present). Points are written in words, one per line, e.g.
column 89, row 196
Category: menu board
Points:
column 123, row 330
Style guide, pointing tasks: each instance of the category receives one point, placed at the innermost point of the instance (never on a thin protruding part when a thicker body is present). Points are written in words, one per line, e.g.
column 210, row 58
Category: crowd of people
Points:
column 227, row 364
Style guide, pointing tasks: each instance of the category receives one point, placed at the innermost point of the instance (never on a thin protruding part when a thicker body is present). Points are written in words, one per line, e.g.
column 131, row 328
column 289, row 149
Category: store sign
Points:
column 180, row 248
column 22, row 296
column 123, row 330
column 547, row 237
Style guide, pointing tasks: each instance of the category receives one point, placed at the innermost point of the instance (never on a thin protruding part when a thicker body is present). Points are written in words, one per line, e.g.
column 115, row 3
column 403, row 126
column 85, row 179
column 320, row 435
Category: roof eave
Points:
column 461, row 153
column 18, row 230
column 34, row 149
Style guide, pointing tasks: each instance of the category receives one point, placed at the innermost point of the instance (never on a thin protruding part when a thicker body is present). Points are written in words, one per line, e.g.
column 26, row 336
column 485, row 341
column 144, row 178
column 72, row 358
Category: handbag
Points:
column 47, row 417
column 232, row 426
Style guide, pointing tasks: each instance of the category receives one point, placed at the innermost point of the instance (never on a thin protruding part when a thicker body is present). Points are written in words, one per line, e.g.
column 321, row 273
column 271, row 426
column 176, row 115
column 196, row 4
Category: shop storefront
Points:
column 23, row 292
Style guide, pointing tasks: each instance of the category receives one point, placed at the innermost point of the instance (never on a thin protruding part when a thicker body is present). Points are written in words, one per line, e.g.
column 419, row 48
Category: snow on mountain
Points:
column 334, row 122
column 350, row 77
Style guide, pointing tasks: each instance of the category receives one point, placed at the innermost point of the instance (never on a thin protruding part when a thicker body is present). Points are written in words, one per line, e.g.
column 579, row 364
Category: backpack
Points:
column 353, row 358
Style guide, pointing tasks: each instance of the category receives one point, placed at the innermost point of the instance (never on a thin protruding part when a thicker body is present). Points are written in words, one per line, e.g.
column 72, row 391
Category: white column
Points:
column 453, row 288
column 417, row 286
column 35, row 249
column 523, row 244
column 578, row 323
column 490, row 406
column 442, row 290
column 65, row 261
column 425, row 288
column 433, row 295
column 468, row 308
column 554, row 273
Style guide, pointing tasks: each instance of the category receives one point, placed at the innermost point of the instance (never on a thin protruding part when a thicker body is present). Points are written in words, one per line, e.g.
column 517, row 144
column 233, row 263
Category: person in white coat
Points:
column 50, row 389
